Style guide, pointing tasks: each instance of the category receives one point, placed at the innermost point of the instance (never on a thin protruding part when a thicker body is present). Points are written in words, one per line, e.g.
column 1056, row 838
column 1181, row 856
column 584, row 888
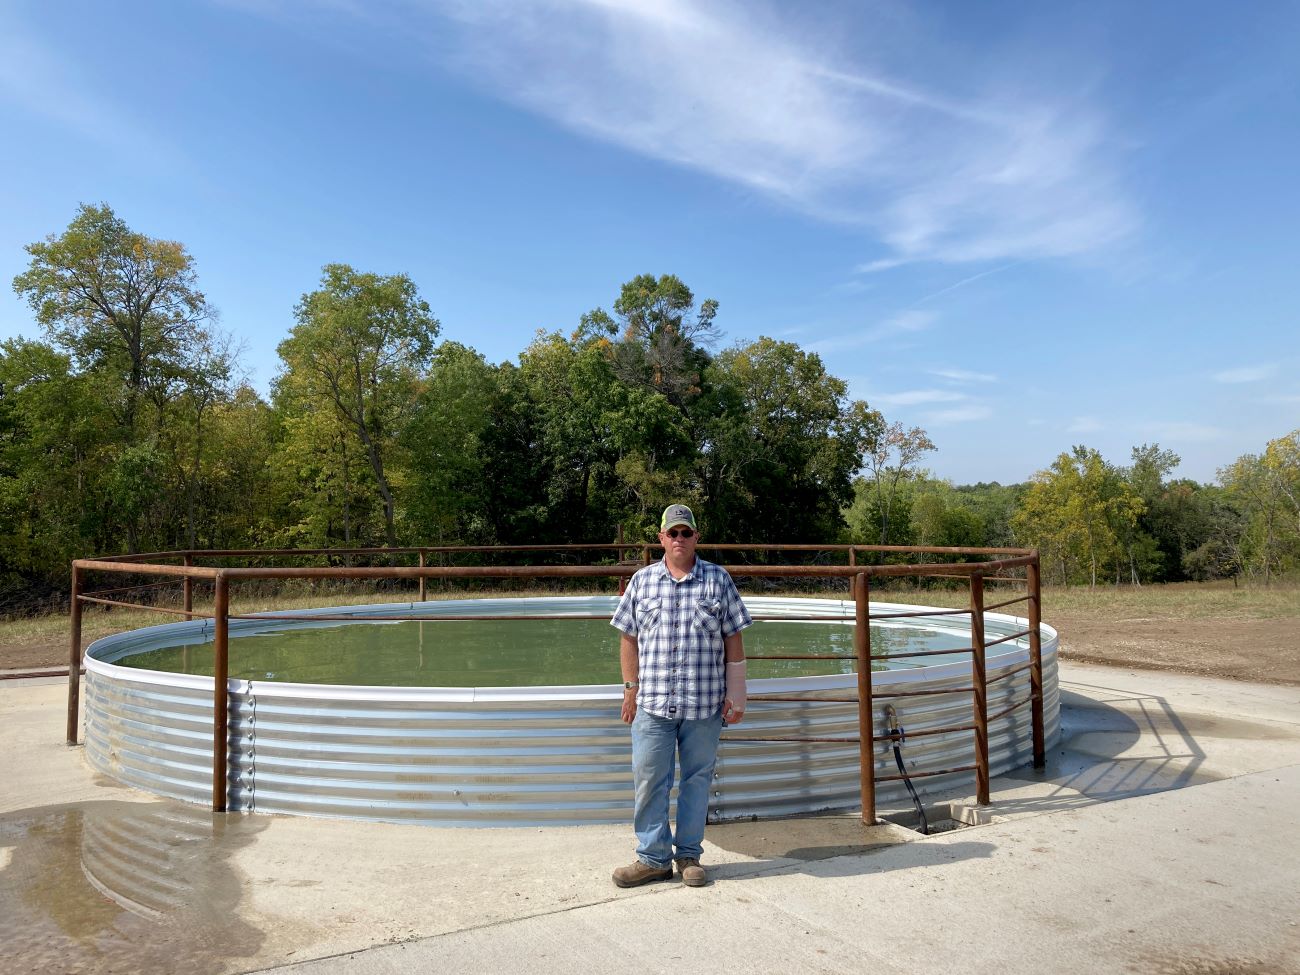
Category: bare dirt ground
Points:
column 30, row 656
column 1207, row 630
column 1266, row 650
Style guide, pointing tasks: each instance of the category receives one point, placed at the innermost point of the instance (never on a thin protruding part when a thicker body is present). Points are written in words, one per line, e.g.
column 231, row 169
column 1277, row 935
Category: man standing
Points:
column 683, row 663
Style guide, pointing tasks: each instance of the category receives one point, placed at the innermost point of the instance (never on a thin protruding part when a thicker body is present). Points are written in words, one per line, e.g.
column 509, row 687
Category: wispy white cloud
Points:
column 964, row 376
column 881, row 264
column 1245, row 374
column 765, row 98
column 965, row 281
column 960, row 414
column 854, row 287
column 904, row 323
column 1084, row 424
column 1176, row 431
column 913, row 397
column 790, row 331
column 38, row 80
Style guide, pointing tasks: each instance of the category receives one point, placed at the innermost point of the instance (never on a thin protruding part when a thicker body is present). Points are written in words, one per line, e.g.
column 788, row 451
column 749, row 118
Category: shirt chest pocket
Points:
column 648, row 615
column 708, row 615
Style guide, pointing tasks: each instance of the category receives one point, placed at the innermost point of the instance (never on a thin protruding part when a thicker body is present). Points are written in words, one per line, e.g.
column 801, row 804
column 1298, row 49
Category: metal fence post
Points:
column 74, row 658
column 866, row 723
column 423, row 595
column 220, row 691
column 1034, row 586
column 979, row 682
column 188, row 585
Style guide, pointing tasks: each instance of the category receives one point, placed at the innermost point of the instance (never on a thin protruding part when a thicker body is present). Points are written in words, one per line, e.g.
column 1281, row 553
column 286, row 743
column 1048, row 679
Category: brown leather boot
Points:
column 692, row 873
column 639, row 873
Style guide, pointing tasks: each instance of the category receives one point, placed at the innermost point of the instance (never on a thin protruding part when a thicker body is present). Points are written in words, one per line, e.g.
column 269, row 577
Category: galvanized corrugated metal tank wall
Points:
column 516, row 756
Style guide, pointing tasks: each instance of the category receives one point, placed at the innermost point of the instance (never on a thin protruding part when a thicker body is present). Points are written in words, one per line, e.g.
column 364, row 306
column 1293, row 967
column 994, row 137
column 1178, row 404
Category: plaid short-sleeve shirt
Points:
column 679, row 626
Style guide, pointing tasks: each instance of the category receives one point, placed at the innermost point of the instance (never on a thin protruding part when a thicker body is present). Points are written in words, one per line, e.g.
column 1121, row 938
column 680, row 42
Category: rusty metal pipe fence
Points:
column 857, row 574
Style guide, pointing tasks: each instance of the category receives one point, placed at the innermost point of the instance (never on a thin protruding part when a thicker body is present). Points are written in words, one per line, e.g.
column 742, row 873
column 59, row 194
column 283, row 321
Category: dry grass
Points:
column 1184, row 601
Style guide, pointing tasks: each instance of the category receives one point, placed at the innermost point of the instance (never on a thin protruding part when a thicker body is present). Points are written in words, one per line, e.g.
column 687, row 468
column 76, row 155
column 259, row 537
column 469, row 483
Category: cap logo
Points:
column 676, row 514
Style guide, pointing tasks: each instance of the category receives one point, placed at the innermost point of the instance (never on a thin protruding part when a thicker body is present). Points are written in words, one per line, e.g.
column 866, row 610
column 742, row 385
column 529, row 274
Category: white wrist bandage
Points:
column 736, row 683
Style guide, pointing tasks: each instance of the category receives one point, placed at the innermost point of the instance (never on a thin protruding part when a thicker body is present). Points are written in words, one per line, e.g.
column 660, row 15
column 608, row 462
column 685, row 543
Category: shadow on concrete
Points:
column 1114, row 744
column 123, row 886
column 826, row 863
column 830, row 846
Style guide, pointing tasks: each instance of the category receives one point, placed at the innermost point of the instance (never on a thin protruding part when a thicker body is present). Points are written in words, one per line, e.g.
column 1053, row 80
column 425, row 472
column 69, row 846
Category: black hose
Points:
column 897, row 734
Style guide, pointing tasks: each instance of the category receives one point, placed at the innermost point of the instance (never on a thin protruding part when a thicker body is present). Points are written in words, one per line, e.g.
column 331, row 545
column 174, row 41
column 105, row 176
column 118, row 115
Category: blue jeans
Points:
column 655, row 744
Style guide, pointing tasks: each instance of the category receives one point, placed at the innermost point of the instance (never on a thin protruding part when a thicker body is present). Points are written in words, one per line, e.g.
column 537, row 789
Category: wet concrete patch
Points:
column 123, row 887
column 809, row 838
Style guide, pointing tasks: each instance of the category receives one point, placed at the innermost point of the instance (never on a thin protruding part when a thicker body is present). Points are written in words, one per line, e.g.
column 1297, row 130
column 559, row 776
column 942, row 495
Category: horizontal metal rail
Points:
column 953, row 729
column 1005, row 639
column 556, row 547
column 922, row 775
column 148, row 569
column 147, row 585
column 1009, row 602
column 407, row 618
column 931, row 693
column 1015, row 707
column 538, row 571
column 1011, row 673
column 920, row 653
column 906, row 616
column 796, row 739
column 801, row 656
column 147, row 609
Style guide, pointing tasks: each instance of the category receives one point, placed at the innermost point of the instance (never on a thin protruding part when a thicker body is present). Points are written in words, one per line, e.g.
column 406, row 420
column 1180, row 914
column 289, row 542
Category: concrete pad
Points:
column 1159, row 838
column 1178, row 889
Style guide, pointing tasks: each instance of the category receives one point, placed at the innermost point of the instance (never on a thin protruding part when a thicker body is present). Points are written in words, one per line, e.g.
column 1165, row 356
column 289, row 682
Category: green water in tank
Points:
column 514, row 653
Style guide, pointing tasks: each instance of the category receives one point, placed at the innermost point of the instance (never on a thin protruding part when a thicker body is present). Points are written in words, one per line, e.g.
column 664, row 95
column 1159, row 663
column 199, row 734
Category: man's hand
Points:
column 732, row 714
column 629, row 704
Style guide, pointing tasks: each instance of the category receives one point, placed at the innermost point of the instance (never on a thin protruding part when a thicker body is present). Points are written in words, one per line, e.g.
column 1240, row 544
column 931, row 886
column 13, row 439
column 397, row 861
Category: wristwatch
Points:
column 630, row 685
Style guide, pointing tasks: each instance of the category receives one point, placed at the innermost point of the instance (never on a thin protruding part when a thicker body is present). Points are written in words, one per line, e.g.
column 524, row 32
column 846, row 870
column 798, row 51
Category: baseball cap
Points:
column 676, row 514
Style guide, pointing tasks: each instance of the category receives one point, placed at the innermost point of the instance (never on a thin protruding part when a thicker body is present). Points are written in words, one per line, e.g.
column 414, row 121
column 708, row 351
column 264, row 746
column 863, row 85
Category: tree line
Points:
column 128, row 427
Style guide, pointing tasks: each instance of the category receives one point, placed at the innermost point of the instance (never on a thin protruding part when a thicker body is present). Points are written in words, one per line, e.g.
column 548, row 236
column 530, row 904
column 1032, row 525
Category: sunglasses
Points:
column 683, row 532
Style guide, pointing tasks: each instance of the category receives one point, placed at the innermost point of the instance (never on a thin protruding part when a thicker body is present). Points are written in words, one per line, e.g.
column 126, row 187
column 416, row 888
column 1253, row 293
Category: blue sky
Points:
column 1019, row 225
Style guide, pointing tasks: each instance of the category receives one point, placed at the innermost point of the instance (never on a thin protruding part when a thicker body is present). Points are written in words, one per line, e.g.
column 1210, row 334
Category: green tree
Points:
column 56, row 444
column 994, row 505
column 608, row 447
column 660, row 338
column 780, row 448
column 940, row 516
column 324, row 494
column 360, row 343
column 442, row 447
column 127, row 311
column 516, row 470
column 1076, row 514
column 893, row 459
column 120, row 302
column 236, row 484
column 1266, row 490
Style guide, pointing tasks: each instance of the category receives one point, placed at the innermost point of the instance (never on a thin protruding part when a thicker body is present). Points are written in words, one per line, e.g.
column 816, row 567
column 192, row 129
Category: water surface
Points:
column 505, row 653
